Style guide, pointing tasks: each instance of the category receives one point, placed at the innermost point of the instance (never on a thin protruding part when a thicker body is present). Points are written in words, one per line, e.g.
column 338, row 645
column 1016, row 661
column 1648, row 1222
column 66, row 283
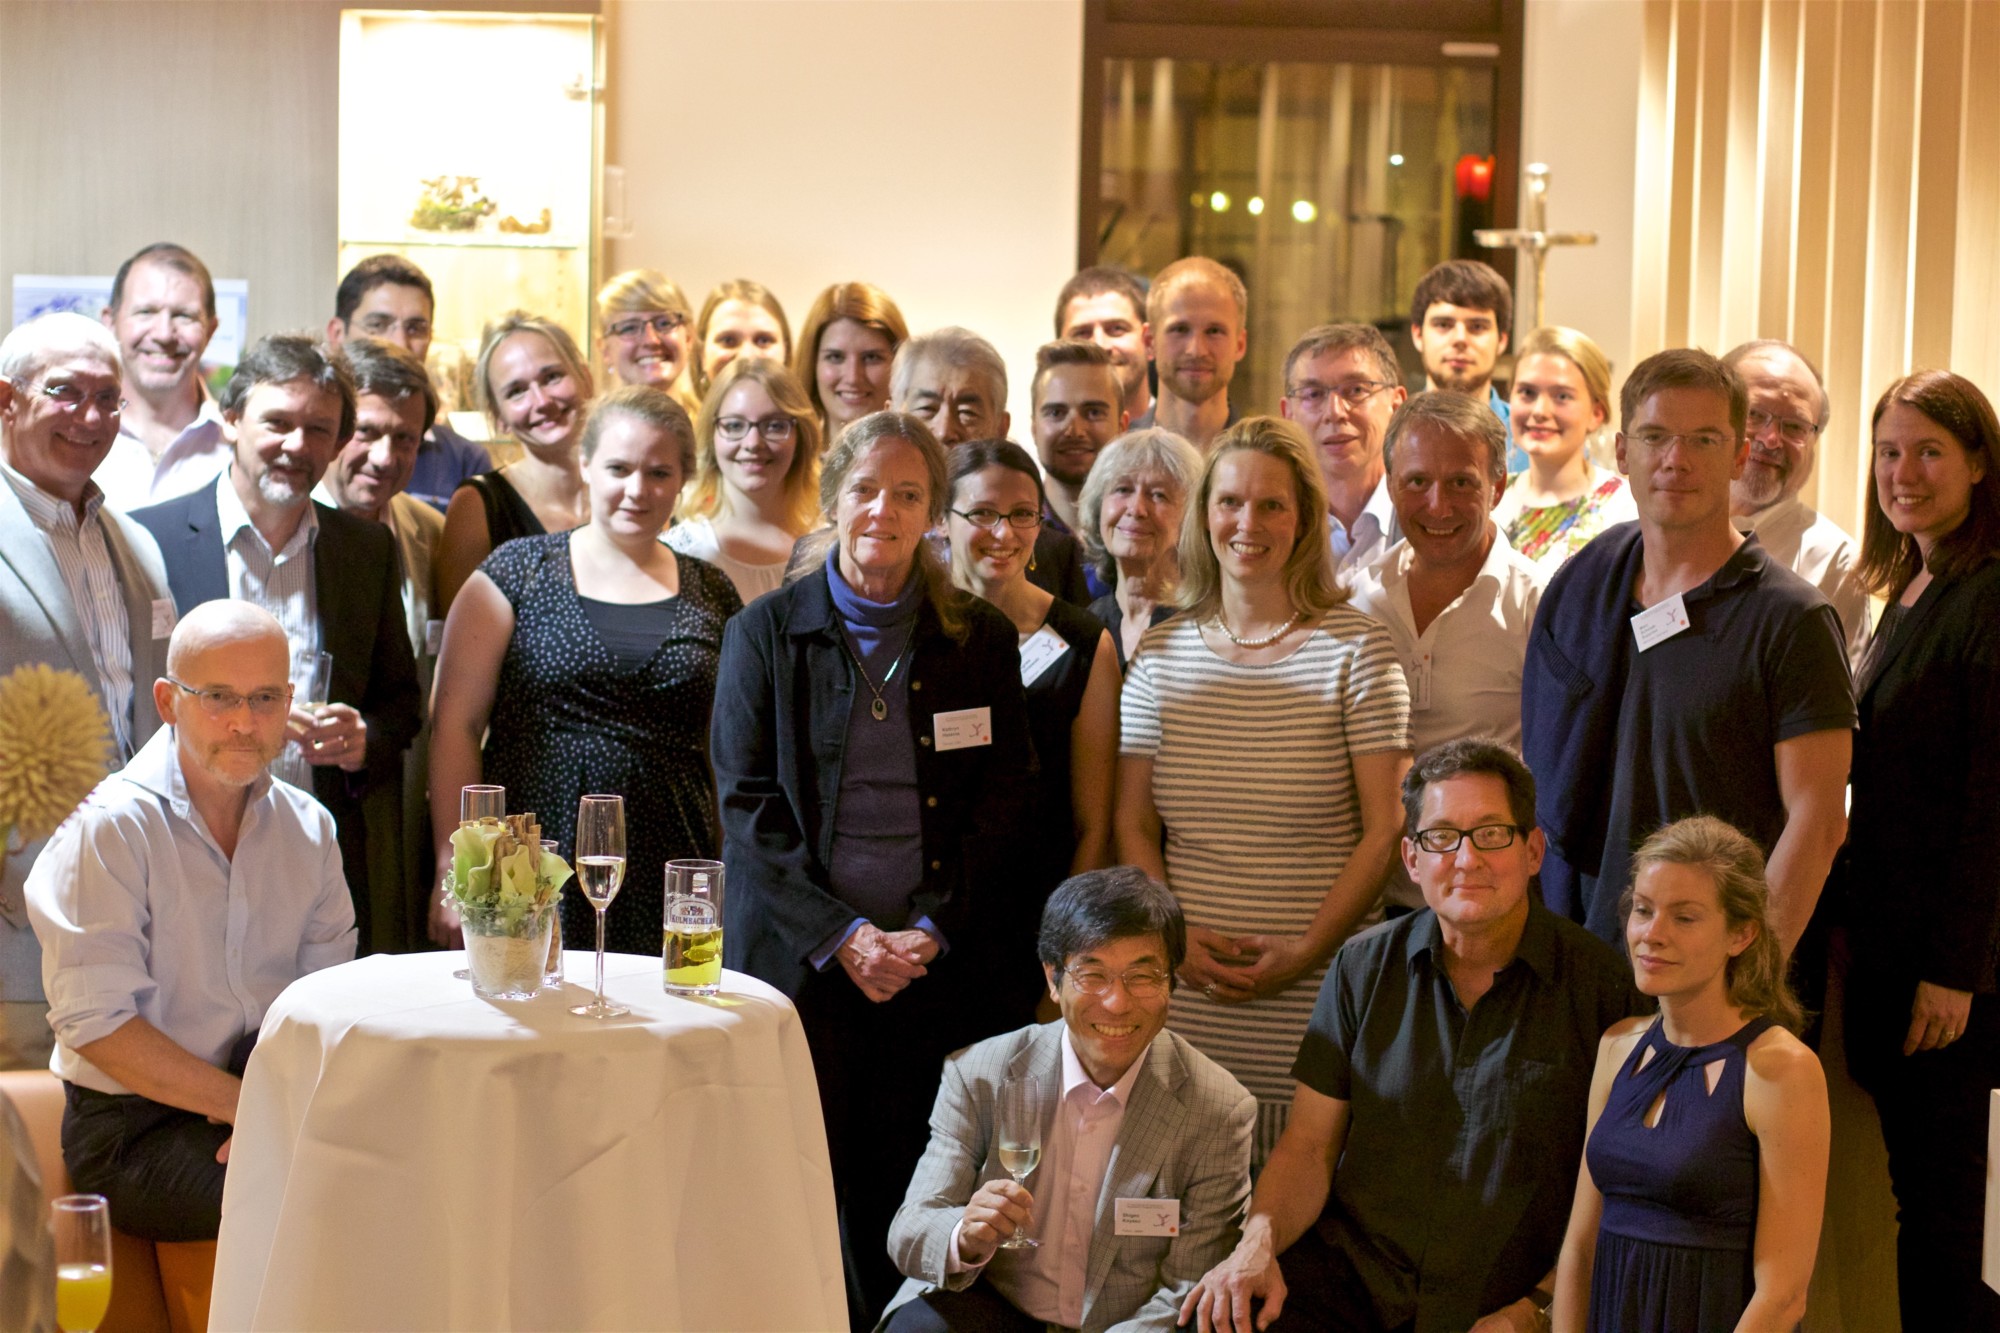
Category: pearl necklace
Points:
column 1264, row 642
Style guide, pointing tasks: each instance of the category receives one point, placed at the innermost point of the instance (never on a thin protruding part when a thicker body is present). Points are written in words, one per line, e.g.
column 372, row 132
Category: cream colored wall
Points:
column 935, row 157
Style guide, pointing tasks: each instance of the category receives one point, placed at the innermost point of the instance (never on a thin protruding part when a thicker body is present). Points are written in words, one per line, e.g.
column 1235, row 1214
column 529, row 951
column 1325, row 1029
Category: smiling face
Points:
column 1551, row 410
column 1111, row 1030
column 1198, row 341
column 1347, row 440
column 54, row 446
column 634, row 476
column 882, row 511
column 1459, row 346
column 853, row 371
column 284, row 437
column 756, row 464
column 1676, row 934
column 1078, row 410
column 539, row 401
column 1681, row 484
column 637, row 351
column 980, row 552
column 958, row 403
column 1109, row 320
column 1923, row 475
column 1780, row 388
column 740, row 328
column 1470, row 889
column 1253, row 516
column 1442, row 487
column 1140, row 518
column 161, row 328
column 376, row 463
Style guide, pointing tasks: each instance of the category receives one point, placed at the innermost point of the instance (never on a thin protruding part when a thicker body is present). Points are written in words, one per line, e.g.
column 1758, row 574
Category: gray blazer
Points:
column 1186, row 1135
column 39, row 623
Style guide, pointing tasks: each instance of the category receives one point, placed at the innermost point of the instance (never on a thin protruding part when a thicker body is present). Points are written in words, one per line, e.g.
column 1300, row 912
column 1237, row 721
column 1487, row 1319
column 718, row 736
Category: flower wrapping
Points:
column 55, row 745
column 500, row 874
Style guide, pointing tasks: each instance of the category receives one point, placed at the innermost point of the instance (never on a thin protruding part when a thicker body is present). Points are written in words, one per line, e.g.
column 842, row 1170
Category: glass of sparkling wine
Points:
column 1020, row 1134
column 475, row 802
column 600, row 868
column 693, row 934
column 82, row 1225
column 320, row 685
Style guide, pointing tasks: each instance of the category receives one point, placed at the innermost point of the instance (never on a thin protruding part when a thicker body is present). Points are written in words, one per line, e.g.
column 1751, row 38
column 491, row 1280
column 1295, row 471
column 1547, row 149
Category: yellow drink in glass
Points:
column 694, row 961
column 83, row 1294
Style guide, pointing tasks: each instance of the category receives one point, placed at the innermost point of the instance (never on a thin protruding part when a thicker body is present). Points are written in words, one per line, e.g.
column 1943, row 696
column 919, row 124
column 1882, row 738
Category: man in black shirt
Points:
column 1425, row 1175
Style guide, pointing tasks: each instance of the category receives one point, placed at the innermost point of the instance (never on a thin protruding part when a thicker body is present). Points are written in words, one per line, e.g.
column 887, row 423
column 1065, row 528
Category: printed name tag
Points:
column 1419, row 676
column 1040, row 652
column 963, row 729
column 1148, row 1217
column 433, row 636
column 164, row 618
column 1660, row 622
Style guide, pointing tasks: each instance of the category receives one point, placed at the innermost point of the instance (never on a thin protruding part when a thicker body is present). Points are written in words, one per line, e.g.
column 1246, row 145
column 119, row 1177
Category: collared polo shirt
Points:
column 1375, row 530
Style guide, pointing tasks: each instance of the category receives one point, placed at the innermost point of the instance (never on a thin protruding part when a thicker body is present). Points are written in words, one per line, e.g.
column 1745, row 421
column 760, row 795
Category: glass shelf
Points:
column 475, row 241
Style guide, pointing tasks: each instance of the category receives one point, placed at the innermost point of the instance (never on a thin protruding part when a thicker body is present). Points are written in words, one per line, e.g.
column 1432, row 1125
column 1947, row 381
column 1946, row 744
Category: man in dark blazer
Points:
column 331, row 580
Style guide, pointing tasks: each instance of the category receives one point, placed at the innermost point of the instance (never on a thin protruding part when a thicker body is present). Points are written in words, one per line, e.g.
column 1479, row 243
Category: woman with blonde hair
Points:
column 645, row 332
column 755, row 488
column 846, row 346
column 1264, row 736
column 534, row 386
column 1560, row 399
column 1129, row 518
column 1698, row 1201
column 739, row 318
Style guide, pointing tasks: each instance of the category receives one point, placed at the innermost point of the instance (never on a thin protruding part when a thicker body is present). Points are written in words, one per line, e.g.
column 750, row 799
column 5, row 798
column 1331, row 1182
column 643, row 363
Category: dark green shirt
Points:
column 1465, row 1127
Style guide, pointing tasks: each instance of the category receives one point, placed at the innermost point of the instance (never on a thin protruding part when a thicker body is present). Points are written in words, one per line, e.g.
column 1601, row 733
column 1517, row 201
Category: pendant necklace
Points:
column 878, row 708
column 1264, row 642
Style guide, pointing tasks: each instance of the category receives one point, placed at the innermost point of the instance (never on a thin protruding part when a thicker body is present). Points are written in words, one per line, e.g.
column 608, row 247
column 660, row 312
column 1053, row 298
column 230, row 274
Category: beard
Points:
column 1470, row 385
column 1760, row 487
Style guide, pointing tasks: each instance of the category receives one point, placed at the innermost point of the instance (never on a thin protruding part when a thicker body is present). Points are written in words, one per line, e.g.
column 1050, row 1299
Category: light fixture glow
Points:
column 1395, row 159
column 1303, row 210
column 1256, row 205
column 1219, row 202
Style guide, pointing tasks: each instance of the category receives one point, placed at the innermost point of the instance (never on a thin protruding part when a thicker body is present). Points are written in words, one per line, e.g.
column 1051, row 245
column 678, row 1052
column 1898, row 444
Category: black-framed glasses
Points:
column 1791, row 430
column 777, row 429
column 991, row 519
column 1141, row 983
column 1353, row 393
column 1706, row 441
column 1443, row 839
column 633, row 329
column 71, row 398
column 221, row 703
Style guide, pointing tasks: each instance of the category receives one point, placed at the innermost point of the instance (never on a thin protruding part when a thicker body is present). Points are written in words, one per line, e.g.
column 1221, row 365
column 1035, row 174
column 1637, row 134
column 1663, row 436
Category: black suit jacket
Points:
column 1920, row 876
column 358, row 591
column 1059, row 567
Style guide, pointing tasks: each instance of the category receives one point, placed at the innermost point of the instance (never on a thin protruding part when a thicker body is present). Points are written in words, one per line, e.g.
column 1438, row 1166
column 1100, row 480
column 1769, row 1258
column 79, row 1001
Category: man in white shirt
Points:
column 1342, row 385
column 1145, row 1143
column 169, row 441
column 172, row 908
column 1788, row 412
column 1458, row 601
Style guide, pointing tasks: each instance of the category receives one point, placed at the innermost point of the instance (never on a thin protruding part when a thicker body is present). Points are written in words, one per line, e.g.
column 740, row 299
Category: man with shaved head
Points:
column 185, row 893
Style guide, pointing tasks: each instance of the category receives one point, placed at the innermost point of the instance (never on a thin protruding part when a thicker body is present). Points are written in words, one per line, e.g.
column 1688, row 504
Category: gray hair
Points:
column 1470, row 419
column 1736, row 355
column 958, row 348
column 31, row 346
column 1153, row 449
column 1333, row 339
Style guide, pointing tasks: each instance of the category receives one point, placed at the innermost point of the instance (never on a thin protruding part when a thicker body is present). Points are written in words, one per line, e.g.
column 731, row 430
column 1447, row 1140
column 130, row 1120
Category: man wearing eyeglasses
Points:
column 388, row 297
column 1143, row 1143
column 1424, row 1177
column 172, row 908
column 82, row 589
column 1788, row 413
column 1342, row 386
column 169, row 440
column 1675, row 669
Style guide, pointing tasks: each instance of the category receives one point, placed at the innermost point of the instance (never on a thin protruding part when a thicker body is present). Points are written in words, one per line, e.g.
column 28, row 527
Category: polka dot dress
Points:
column 568, row 720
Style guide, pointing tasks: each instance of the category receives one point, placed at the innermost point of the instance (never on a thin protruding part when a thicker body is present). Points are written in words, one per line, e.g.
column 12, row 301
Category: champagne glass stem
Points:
column 600, row 957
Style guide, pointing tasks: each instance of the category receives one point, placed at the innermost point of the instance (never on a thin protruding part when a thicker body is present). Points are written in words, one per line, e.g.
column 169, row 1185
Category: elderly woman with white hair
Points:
column 1130, row 522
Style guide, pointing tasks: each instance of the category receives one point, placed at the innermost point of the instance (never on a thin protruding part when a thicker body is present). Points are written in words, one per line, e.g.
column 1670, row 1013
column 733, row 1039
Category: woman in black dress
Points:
column 593, row 655
column 1129, row 517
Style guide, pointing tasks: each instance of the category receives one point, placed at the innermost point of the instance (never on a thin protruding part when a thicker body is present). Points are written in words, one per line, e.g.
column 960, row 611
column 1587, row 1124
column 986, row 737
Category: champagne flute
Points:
column 82, row 1226
column 320, row 685
column 1020, row 1133
column 476, row 801
column 600, row 868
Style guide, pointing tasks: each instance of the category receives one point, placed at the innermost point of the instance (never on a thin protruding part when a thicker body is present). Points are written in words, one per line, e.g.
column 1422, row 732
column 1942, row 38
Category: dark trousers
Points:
column 1934, row 1114
column 977, row 1309
column 1323, row 1292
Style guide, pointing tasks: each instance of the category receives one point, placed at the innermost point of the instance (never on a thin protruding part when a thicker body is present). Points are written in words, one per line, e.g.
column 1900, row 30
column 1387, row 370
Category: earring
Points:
column 1031, row 562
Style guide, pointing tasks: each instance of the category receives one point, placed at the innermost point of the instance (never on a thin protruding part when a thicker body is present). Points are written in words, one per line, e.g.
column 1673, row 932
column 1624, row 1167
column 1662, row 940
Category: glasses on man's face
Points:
column 991, row 519
column 1141, row 983
column 775, row 429
column 664, row 324
column 222, row 703
column 1314, row 396
column 1705, row 441
column 1790, row 429
column 71, row 398
column 1444, row 839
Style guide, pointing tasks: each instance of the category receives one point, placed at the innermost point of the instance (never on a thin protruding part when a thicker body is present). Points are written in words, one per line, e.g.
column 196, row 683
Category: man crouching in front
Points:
column 1144, row 1165
column 172, row 907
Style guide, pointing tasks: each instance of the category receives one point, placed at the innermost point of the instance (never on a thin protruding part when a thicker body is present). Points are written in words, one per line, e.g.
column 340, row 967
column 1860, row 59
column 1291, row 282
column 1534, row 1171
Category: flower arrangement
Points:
column 450, row 203
column 55, row 745
column 500, row 876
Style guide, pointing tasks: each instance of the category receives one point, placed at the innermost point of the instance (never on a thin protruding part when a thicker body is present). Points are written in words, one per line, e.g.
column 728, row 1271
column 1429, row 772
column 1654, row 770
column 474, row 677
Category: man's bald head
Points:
column 238, row 631
column 227, row 694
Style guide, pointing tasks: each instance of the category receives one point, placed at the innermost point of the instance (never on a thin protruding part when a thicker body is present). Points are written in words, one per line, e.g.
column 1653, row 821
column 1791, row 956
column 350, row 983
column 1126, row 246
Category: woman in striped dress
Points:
column 1264, row 736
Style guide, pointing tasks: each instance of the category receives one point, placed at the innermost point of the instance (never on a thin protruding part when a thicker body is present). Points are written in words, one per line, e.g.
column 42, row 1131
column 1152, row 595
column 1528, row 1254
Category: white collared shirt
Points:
column 91, row 577
column 1375, row 530
column 140, row 915
column 282, row 583
column 132, row 479
column 1815, row 548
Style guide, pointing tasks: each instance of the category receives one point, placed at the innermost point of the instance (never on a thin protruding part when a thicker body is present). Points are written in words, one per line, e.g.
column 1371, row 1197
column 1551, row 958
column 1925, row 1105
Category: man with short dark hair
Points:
column 388, row 297
column 1342, row 386
column 169, row 441
column 1460, row 318
column 1107, row 306
column 1145, row 1142
column 1197, row 317
column 1425, row 1175
column 1676, row 669
column 1077, row 412
column 329, row 579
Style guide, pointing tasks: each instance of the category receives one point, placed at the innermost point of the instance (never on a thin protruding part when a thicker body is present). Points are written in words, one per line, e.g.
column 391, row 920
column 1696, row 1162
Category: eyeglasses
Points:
column 1443, row 838
column 991, row 519
column 71, row 398
column 1656, row 440
column 1351, row 392
column 664, row 324
column 1140, row 983
column 775, row 429
column 1790, row 429
column 221, row 703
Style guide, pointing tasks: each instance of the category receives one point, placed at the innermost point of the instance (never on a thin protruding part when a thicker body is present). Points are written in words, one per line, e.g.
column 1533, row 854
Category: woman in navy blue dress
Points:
column 1699, row 1198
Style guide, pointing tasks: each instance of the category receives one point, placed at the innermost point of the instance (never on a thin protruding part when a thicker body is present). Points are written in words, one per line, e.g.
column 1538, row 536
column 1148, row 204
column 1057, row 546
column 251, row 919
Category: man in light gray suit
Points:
column 82, row 589
column 1144, row 1167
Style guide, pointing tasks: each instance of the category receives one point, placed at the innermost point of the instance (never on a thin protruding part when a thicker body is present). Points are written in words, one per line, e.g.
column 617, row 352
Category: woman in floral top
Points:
column 1562, row 392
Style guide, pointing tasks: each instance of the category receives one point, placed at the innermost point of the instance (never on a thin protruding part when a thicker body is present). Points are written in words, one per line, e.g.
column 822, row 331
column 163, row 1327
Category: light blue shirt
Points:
column 140, row 915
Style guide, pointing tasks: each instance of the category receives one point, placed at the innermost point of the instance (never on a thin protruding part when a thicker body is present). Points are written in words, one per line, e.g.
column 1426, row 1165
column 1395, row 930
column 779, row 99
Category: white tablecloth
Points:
column 410, row 1156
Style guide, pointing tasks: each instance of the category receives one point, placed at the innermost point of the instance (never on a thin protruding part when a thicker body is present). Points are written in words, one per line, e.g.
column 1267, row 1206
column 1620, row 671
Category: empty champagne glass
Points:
column 321, row 684
column 475, row 802
column 600, row 869
column 82, row 1226
column 1020, row 1135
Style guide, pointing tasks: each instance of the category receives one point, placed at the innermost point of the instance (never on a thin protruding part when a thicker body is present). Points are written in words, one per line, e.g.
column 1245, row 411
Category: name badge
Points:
column 1660, row 622
column 963, row 729
column 433, row 637
column 1418, row 674
column 1147, row 1217
column 164, row 618
column 1041, row 651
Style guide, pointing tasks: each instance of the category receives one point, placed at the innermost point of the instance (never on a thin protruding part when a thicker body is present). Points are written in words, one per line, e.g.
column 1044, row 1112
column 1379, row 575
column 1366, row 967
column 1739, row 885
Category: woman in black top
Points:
column 1129, row 517
column 593, row 654
column 1921, row 870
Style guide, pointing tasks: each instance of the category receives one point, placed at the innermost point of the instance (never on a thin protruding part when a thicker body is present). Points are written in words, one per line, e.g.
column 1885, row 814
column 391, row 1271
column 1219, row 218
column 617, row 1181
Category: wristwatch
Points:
column 1542, row 1300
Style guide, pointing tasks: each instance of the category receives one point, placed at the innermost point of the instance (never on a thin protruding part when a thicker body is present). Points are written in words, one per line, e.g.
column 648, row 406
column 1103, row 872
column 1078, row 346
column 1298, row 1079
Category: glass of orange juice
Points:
column 82, row 1225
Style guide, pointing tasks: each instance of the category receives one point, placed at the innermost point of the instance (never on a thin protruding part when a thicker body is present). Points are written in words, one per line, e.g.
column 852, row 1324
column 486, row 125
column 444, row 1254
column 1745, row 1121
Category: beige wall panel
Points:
column 1653, row 185
column 1934, row 235
column 1710, row 196
column 1975, row 350
column 1849, row 269
column 1819, row 29
column 1684, row 189
column 1743, row 219
column 1777, row 178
